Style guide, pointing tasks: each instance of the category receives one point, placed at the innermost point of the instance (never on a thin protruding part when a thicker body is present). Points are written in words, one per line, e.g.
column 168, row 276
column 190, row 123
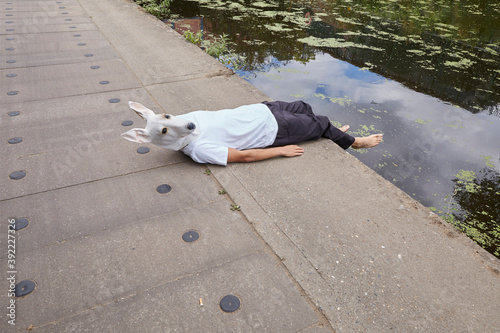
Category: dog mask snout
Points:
column 191, row 126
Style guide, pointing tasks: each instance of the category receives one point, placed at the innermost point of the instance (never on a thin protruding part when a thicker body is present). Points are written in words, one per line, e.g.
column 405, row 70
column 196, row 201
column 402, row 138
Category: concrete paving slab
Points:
column 153, row 51
column 134, row 258
column 40, row 6
column 34, row 3
column 269, row 303
column 80, row 211
column 99, row 232
column 47, row 28
column 25, row 26
column 372, row 258
column 88, row 145
column 220, row 92
column 87, row 162
column 75, row 119
column 32, row 21
column 43, row 49
column 46, row 82
column 316, row 329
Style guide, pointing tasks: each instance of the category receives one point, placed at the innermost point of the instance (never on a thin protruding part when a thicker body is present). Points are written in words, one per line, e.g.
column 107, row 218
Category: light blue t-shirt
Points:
column 246, row 127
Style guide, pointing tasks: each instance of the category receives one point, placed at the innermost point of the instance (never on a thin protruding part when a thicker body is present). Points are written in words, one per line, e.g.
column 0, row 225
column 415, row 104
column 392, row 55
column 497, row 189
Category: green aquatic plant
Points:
column 474, row 207
column 488, row 161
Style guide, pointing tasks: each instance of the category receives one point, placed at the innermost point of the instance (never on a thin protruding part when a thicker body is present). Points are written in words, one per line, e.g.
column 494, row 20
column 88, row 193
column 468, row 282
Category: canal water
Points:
column 425, row 73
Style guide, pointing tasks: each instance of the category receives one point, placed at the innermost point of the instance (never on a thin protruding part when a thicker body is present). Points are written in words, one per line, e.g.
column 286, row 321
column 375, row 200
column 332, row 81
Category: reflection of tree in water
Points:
column 478, row 212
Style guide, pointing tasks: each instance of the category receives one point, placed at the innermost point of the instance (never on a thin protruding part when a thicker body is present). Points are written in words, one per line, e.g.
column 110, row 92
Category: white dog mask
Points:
column 163, row 130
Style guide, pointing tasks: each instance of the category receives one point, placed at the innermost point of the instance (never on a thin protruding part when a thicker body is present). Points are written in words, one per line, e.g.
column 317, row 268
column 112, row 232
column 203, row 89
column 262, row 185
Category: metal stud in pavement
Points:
column 16, row 175
column 14, row 113
column 12, row 93
column 95, row 67
column 104, row 82
column 143, row 150
column 190, row 236
column 14, row 141
column 11, row 75
column 20, row 223
column 114, row 100
column 164, row 188
column 127, row 123
column 24, row 288
column 229, row 303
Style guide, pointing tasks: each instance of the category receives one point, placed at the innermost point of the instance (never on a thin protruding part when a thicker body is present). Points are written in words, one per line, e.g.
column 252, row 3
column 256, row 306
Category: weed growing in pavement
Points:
column 235, row 207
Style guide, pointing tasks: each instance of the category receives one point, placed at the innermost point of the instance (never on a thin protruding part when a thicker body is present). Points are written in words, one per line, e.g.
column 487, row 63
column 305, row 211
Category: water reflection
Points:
column 428, row 77
column 449, row 49
column 426, row 141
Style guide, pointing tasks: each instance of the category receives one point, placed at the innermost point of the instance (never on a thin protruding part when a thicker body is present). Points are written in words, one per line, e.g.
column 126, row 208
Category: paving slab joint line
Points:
column 324, row 321
column 320, row 326
column 113, row 46
column 267, row 214
column 93, row 181
column 190, row 77
column 159, row 285
column 224, row 72
column 117, row 227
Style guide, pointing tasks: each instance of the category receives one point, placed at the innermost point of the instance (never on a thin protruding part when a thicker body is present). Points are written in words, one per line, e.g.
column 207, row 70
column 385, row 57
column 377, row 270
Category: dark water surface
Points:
column 424, row 73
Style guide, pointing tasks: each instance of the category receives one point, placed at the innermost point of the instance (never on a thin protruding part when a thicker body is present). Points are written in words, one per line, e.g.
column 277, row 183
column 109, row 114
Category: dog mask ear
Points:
column 141, row 110
column 138, row 135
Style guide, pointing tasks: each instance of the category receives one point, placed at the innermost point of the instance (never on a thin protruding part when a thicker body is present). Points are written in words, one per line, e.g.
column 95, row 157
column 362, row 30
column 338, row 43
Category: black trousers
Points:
column 297, row 123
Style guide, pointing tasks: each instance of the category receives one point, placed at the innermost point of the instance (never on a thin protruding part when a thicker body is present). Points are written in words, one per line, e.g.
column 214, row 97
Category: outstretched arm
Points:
column 252, row 155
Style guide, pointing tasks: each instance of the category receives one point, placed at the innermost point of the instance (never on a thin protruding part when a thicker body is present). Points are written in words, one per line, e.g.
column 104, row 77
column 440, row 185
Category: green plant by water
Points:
column 219, row 48
column 158, row 8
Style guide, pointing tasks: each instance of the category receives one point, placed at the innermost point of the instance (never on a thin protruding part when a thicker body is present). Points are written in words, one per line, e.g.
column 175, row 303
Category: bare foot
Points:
column 367, row 141
column 344, row 128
